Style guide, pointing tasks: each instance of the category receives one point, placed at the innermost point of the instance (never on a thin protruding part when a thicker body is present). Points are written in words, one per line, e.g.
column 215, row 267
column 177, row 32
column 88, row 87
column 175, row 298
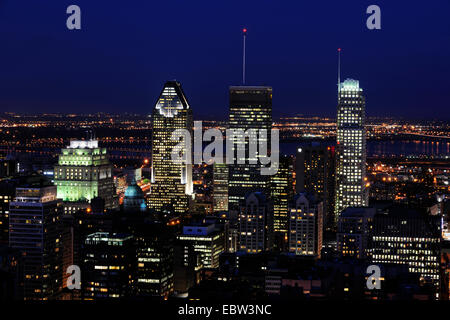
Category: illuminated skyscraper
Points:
column 250, row 108
column 171, row 183
column 220, row 187
column 83, row 173
column 351, row 148
column 282, row 192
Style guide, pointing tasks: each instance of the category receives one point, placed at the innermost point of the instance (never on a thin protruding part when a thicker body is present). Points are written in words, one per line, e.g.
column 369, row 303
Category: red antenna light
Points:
column 244, row 30
column 339, row 49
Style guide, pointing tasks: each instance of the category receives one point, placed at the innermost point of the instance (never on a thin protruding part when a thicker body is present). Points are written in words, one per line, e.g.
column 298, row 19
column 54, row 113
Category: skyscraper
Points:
column 250, row 108
column 220, row 187
column 351, row 148
column 35, row 230
column 171, row 182
column 281, row 193
column 315, row 173
column 84, row 172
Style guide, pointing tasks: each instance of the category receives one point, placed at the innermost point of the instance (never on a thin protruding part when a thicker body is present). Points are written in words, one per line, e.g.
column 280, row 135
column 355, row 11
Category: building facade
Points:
column 250, row 108
column 206, row 240
column 351, row 148
column 411, row 238
column 281, row 193
column 306, row 225
column 171, row 181
column 108, row 266
column 35, row 229
column 220, row 187
column 315, row 172
column 355, row 226
column 256, row 224
column 84, row 172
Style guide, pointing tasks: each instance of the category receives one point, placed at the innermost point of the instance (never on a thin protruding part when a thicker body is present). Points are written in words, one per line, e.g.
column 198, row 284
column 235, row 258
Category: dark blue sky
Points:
column 127, row 49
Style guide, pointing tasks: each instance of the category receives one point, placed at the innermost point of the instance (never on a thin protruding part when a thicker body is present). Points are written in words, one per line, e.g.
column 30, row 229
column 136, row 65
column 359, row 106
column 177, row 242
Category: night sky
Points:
column 126, row 50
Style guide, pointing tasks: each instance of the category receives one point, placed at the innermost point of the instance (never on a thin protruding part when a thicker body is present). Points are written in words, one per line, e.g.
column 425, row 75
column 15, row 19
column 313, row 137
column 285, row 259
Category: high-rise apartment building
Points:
column 250, row 108
column 306, row 225
column 35, row 229
column 351, row 148
column 84, row 172
column 256, row 224
column 171, row 181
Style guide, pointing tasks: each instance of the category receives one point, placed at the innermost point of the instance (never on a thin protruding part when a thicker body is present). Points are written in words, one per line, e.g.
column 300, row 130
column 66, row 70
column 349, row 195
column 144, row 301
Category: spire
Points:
column 244, row 32
column 339, row 71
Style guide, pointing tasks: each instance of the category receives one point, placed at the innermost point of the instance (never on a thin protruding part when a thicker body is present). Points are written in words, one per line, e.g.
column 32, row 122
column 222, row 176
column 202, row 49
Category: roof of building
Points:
column 134, row 191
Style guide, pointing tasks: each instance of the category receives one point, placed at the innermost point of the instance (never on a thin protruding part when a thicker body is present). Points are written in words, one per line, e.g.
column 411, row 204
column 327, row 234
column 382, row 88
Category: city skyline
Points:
column 300, row 190
column 124, row 74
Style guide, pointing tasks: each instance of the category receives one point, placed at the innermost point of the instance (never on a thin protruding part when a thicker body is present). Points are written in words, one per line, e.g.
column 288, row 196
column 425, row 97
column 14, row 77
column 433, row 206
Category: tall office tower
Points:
column 354, row 231
column 220, row 187
column 405, row 236
column 256, row 224
column 83, row 173
column 35, row 230
column 108, row 266
column 205, row 240
column 250, row 108
column 314, row 172
column 282, row 192
column 171, row 181
column 306, row 225
column 351, row 148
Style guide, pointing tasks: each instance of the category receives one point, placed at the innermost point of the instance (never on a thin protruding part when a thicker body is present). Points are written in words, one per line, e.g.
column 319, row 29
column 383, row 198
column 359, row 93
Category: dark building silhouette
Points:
column 250, row 108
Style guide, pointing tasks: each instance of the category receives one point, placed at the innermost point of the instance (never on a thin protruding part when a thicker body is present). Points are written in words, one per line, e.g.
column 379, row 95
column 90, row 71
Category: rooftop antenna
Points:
column 339, row 72
column 244, row 31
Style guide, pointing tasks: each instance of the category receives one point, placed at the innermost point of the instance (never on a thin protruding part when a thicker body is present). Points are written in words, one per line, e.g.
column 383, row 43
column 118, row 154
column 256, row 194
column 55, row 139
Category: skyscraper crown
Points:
column 350, row 85
column 171, row 99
